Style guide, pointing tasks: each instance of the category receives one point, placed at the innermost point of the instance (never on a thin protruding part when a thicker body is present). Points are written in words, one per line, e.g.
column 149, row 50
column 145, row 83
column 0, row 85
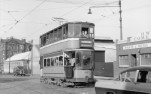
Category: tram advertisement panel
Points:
column 86, row 43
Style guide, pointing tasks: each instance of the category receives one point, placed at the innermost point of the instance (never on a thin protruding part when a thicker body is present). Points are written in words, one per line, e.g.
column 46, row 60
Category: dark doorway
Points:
column 99, row 63
column 102, row 68
column 133, row 60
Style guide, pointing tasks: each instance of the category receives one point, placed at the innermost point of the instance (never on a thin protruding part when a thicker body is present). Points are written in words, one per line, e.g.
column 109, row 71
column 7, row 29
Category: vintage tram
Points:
column 67, row 54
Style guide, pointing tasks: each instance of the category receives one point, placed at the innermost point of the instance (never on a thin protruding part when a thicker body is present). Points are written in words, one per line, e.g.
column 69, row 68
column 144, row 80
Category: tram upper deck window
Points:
column 65, row 31
column 91, row 29
column 47, row 39
column 87, row 32
column 51, row 37
column 55, row 36
column 59, row 33
column 43, row 40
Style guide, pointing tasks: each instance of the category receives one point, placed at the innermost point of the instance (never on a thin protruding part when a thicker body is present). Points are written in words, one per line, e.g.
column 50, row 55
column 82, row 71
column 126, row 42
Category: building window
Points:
column 145, row 59
column 123, row 61
column 21, row 47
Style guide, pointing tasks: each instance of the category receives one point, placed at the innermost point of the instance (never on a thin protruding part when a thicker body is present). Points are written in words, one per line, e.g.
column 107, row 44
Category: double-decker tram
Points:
column 67, row 54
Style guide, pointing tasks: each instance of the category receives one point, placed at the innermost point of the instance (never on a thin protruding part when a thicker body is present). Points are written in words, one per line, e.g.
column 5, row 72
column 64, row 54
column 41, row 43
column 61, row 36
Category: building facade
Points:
column 135, row 51
column 10, row 47
column 105, row 56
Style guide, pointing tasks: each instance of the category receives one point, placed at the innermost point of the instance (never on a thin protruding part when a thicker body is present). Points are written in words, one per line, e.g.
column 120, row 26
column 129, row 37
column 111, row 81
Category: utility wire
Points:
column 73, row 10
column 38, row 30
column 32, row 10
column 123, row 11
column 67, row 13
column 43, row 9
column 11, row 15
column 25, row 16
column 76, row 8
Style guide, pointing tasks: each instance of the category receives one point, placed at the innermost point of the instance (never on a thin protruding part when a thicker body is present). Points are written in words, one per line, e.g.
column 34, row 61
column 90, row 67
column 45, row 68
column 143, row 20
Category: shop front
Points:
column 131, row 53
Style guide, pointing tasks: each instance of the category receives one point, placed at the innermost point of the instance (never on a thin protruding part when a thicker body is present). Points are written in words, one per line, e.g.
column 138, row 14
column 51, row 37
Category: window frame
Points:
column 126, row 73
column 141, row 64
column 45, row 65
column 122, row 65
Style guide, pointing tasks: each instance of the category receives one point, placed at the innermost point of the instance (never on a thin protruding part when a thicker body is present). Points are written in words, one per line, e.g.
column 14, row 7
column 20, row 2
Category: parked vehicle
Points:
column 20, row 70
column 136, row 80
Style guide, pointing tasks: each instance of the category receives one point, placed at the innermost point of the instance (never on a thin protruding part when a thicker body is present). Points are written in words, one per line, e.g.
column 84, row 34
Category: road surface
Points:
column 31, row 85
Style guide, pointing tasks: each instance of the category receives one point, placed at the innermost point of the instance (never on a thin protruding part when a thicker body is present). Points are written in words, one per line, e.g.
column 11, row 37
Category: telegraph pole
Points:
column 121, row 29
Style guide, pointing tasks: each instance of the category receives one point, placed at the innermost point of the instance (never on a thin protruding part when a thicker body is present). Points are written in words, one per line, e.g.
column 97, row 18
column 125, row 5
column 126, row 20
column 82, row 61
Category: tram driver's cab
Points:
column 78, row 61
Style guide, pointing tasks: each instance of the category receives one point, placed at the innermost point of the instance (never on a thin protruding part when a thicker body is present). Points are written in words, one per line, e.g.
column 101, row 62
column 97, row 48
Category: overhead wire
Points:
column 12, row 15
column 73, row 10
column 76, row 8
column 38, row 30
column 17, row 21
column 25, row 16
column 106, row 3
column 69, row 12
column 44, row 9
column 123, row 11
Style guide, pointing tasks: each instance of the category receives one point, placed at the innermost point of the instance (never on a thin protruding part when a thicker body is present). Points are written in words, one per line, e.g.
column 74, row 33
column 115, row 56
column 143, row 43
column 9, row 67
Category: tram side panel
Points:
column 55, row 71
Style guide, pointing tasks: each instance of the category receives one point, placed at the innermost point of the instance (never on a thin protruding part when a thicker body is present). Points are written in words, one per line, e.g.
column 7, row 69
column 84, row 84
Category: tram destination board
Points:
column 86, row 43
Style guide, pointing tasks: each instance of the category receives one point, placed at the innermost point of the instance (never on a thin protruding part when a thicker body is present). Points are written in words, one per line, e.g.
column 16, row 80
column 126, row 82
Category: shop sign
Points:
column 86, row 43
column 143, row 45
column 141, row 36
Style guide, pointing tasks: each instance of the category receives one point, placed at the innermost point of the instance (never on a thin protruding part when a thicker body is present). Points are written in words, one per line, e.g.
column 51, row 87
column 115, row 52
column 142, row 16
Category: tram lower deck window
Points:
column 45, row 62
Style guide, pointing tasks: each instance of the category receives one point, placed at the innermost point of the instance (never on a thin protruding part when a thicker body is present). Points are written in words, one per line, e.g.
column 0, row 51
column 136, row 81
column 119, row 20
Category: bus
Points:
column 67, row 54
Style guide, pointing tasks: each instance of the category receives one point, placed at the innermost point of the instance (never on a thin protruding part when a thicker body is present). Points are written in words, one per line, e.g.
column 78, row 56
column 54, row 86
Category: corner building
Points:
column 134, row 51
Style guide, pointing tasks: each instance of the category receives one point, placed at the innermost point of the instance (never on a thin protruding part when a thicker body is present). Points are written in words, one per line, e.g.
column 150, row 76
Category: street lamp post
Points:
column 120, row 12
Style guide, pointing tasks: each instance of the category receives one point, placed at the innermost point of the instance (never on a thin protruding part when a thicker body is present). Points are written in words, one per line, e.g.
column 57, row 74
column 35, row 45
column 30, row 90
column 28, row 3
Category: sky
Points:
column 28, row 19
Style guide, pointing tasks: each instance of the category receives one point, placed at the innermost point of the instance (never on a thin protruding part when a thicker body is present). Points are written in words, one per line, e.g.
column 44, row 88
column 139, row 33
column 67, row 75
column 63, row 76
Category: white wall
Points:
column 12, row 65
column 110, row 50
column 110, row 55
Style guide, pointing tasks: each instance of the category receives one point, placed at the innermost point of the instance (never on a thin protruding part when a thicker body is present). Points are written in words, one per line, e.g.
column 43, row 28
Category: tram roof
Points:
column 70, row 23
